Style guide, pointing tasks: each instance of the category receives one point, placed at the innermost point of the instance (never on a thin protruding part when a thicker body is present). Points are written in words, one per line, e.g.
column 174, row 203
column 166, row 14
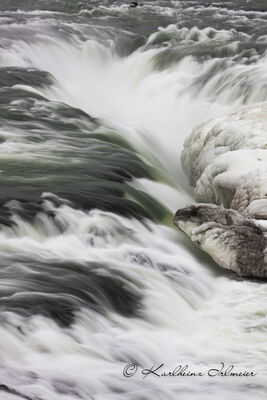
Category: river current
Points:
column 96, row 284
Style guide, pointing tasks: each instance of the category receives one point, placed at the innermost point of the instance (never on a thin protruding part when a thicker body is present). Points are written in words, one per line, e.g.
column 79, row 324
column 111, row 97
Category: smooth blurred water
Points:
column 96, row 100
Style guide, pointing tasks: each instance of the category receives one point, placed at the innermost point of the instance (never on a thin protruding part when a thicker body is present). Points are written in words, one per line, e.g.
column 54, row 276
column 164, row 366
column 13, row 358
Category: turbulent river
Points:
column 96, row 100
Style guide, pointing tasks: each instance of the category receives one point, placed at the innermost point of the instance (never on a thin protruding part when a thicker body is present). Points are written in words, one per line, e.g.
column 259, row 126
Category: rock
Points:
column 225, row 160
column 234, row 241
column 133, row 4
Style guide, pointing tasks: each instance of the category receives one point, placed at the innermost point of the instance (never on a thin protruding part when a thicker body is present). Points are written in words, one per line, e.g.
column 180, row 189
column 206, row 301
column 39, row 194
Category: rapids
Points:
column 96, row 100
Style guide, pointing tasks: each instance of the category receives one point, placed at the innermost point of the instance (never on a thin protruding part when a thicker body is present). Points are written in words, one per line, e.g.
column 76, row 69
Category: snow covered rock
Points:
column 225, row 160
column 234, row 241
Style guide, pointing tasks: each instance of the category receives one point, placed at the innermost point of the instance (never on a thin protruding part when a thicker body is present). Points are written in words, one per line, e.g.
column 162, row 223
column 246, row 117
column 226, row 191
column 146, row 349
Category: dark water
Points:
column 96, row 99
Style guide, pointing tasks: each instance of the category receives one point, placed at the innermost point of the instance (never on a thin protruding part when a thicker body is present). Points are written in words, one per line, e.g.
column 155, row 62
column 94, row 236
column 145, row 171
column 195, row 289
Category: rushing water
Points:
column 96, row 100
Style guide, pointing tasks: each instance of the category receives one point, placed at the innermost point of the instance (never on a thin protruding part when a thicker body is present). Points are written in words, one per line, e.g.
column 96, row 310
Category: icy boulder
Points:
column 234, row 241
column 225, row 160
